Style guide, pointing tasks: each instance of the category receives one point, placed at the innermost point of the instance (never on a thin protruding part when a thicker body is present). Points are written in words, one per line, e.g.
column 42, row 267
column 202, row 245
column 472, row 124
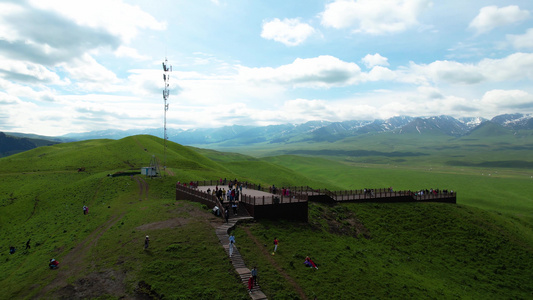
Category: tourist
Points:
column 216, row 211
column 226, row 214
column 54, row 264
column 231, row 243
column 254, row 275
column 250, row 284
column 309, row 263
column 234, row 206
column 146, row 242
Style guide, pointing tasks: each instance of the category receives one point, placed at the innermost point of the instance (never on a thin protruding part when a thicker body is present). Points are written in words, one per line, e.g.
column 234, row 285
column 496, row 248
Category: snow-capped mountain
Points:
column 317, row 131
column 515, row 121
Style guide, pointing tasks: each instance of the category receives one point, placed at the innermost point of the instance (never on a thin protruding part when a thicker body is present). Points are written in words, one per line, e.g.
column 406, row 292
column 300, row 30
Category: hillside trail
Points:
column 275, row 264
column 143, row 187
column 69, row 264
column 169, row 172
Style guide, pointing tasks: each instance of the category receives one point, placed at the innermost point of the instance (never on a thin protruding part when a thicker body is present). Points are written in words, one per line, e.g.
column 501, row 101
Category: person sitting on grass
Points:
column 310, row 263
column 54, row 264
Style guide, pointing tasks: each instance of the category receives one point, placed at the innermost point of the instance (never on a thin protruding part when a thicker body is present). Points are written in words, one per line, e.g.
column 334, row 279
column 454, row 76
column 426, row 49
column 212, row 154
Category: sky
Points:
column 76, row 66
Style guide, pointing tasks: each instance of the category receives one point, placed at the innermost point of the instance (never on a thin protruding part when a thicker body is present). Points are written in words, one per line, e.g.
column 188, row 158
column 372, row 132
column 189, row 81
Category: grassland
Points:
column 410, row 251
column 480, row 248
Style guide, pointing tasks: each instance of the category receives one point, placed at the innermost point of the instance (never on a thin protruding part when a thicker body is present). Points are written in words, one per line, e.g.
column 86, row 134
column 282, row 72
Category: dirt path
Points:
column 143, row 187
column 169, row 172
column 275, row 264
column 69, row 263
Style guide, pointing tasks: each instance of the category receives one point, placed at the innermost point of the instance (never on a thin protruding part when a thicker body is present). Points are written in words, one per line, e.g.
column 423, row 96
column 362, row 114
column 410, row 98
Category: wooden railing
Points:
column 302, row 193
column 188, row 193
column 274, row 199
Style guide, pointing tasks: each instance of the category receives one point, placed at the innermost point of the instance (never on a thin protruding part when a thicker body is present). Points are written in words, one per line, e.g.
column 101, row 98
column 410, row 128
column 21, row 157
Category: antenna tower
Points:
column 166, row 78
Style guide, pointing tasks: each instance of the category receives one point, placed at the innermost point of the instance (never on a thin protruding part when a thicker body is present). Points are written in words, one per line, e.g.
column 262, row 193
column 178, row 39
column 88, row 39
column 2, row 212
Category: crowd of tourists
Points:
column 283, row 191
column 433, row 192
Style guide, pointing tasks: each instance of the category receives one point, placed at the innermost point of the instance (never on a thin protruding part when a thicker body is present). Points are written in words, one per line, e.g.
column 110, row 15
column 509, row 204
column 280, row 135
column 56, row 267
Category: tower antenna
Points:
column 166, row 78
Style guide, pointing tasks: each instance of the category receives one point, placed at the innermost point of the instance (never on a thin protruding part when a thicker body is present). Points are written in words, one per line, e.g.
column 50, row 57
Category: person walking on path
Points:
column 250, row 284
column 226, row 214
column 234, row 206
column 276, row 244
column 146, row 242
column 231, row 243
column 254, row 275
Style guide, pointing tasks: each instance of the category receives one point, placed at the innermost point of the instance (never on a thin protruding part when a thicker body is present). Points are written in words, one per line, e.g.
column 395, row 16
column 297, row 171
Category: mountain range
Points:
column 313, row 131
column 320, row 131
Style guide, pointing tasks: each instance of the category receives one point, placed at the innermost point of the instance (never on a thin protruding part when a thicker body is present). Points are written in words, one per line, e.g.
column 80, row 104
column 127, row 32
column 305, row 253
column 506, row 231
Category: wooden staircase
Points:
column 236, row 258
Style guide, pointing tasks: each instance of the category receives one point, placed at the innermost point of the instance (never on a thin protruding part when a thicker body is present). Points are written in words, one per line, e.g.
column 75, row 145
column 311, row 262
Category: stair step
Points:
column 236, row 259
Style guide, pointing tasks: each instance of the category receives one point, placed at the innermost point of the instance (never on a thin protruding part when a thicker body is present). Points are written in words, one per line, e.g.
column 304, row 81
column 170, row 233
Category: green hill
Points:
column 363, row 250
column 11, row 144
column 488, row 130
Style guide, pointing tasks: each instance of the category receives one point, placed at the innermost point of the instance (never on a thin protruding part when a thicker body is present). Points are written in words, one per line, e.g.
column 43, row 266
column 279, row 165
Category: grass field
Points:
column 501, row 190
column 411, row 251
column 480, row 248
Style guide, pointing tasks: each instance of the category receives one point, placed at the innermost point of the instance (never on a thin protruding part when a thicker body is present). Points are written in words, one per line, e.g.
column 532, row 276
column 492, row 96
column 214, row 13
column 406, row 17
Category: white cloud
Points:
column 507, row 101
column 124, row 51
column 24, row 71
column 375, row 60
column 523, row 41
column 490, row 17
column 430, row 92
column 290, row 32
column 319, row 72
column 7, row 32
column 88, row 75
column 87, row 68
column 35, row 92
column 47, row 38
column 517, row 66
column 115, row 16
column 374, row 17
column 450, row 71
column 379, row 73
column 7, row 99
column 305, row 110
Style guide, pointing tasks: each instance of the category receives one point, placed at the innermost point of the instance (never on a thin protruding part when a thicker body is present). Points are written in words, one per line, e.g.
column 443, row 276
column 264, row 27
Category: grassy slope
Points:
column 41, row 196
column 415, row 251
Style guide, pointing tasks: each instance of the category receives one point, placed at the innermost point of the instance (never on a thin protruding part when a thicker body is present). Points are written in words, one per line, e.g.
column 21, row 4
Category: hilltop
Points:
column 372, row 250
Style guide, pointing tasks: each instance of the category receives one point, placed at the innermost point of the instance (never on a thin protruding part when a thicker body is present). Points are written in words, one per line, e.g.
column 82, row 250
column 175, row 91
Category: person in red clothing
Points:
column 310, row 263
column 250, row 284
column 276, row 244
column 54, row 264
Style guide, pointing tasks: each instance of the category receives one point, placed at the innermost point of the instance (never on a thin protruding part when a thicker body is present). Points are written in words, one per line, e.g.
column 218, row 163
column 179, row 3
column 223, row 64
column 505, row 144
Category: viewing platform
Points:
column 292, row 203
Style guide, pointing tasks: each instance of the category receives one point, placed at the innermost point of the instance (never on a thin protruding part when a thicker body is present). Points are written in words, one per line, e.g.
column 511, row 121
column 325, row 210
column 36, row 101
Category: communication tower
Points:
column 166, row 78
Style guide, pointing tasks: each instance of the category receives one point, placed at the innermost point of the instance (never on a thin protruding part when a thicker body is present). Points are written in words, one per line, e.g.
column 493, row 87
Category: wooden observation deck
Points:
column 292, row 203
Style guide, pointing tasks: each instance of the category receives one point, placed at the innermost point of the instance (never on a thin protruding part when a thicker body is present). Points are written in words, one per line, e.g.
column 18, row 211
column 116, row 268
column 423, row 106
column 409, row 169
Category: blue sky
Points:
column 76, row 66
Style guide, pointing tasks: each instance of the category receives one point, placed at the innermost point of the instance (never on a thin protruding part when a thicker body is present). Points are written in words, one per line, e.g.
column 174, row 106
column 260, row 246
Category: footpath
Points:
column 236, row 258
